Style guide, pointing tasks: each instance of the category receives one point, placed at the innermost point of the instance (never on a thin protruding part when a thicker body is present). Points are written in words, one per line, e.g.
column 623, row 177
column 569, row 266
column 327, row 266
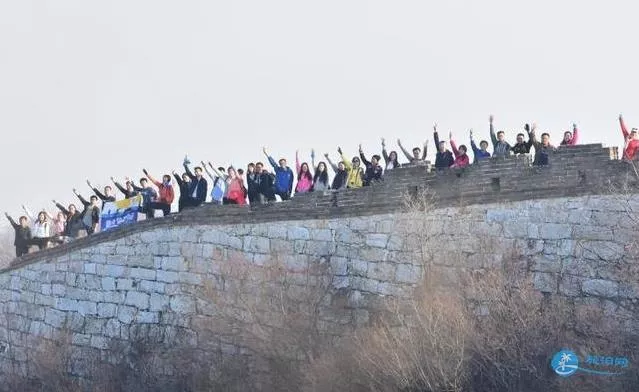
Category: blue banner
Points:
column 120, row 213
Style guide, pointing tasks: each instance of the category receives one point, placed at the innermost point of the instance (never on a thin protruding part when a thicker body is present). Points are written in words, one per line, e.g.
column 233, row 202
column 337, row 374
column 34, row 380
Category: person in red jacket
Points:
column 166, row 194
column 571, row 138
column 461, row 159
column 631, row 140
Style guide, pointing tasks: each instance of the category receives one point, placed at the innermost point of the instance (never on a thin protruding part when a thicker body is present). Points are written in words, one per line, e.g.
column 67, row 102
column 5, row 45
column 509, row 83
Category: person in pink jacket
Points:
column 236, row 190
column 461, row 159
column 571, row 138
column 304, row 176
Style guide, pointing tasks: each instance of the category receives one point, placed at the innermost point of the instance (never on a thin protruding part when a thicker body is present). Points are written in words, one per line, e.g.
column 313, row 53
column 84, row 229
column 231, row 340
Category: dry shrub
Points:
column 273, row 313
column 488, row 333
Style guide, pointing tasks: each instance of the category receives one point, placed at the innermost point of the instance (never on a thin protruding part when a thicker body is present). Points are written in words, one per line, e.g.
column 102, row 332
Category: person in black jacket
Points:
column 91, row 214
column 128, row 191
column 444, row 158
column 23, row 235
column 341, row 175
column 522, row 147
column 106, row 197
column 184, row 184
column 74, row 220
column 198, row 187
column 373, row 171
column 252, row 181
column 265, row 184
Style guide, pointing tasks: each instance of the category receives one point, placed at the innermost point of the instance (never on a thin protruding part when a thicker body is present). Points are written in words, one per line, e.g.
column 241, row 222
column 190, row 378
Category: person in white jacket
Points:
column 40, row 228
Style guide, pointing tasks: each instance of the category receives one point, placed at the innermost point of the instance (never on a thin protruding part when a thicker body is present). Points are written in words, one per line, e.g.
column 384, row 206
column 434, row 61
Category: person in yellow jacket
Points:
column 355, row 175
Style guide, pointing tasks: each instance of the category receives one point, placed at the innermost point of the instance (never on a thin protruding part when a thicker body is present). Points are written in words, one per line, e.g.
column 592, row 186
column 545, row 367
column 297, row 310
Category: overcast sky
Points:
column 91, row 89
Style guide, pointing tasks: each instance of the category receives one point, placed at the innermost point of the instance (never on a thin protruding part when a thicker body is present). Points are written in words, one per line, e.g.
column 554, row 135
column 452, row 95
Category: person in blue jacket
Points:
column 283, row 177
column 481, row 152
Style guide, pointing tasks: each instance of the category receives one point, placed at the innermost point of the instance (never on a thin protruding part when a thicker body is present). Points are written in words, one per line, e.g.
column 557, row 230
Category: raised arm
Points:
column 206, row 170
column 270, row 159
column 150, row 177
column 61, row 208
column 436, row 137
column 493, row 136
column 29, row 214
column 472, row 144
column 298, row 168
column 82, row 199
column 217, row 172
column 406, row 154
column 575, row 135
column 624, row 130
column 120, row 187
column 345, row 160
column 97, row 192
column 178, row 179
column 333, row 165
column 313, row 161
column 13, row 223
column 453, row 145
column 363, row 157
column 188, row 171
column 425, row 151
column 384, row 152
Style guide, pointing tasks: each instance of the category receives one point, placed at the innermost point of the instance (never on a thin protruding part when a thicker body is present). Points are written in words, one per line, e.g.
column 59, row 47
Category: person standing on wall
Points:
column 166, row 194
column 22, row 234
column 481, row 152
column 106, row 197
column 91, row 213
column 389, row 158
column 198, row 186
column 184, row 184
column 501, row 148
column 373, row 171
column 283, row 176
column 444, row 158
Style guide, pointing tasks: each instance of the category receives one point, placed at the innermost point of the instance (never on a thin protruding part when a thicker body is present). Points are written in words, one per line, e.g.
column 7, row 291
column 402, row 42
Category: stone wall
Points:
column 151, row 282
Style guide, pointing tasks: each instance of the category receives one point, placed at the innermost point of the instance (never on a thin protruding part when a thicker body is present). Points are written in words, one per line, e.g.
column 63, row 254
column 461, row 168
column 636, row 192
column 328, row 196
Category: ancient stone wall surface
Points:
column 166, row 281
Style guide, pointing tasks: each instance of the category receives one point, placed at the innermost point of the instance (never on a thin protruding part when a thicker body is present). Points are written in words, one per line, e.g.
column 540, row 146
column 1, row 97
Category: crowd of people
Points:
column 261, row 185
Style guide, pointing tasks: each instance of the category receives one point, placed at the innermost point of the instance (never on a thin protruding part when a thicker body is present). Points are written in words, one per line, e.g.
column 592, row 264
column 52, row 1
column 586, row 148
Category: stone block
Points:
column 555, row 231
column 112, row 328
column 99, row 342
column 254, row 244
column 126, row 314
column 107, row 310
column 167, row 276
column 339, row 265
column 142, row 273
column 108, row 283
column 377, row 240
column 54, row 318
column 66, row 304
column 381, row 271
column 114, row 271
column 90, row 268
column 321, row 235
column 87, row 308
column 600, row 288
column 124, row 284
column 94, row 326
column 158, row 302
column 545, row 282
column 147, row 318
column 182, row 304
column 137, row 299
column 298, row 233
column 359, row 267
column 408, row 273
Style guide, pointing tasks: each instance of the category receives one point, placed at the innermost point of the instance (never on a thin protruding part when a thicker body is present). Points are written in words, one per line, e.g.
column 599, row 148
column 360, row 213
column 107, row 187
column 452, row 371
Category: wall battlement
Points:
column 573, row 171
